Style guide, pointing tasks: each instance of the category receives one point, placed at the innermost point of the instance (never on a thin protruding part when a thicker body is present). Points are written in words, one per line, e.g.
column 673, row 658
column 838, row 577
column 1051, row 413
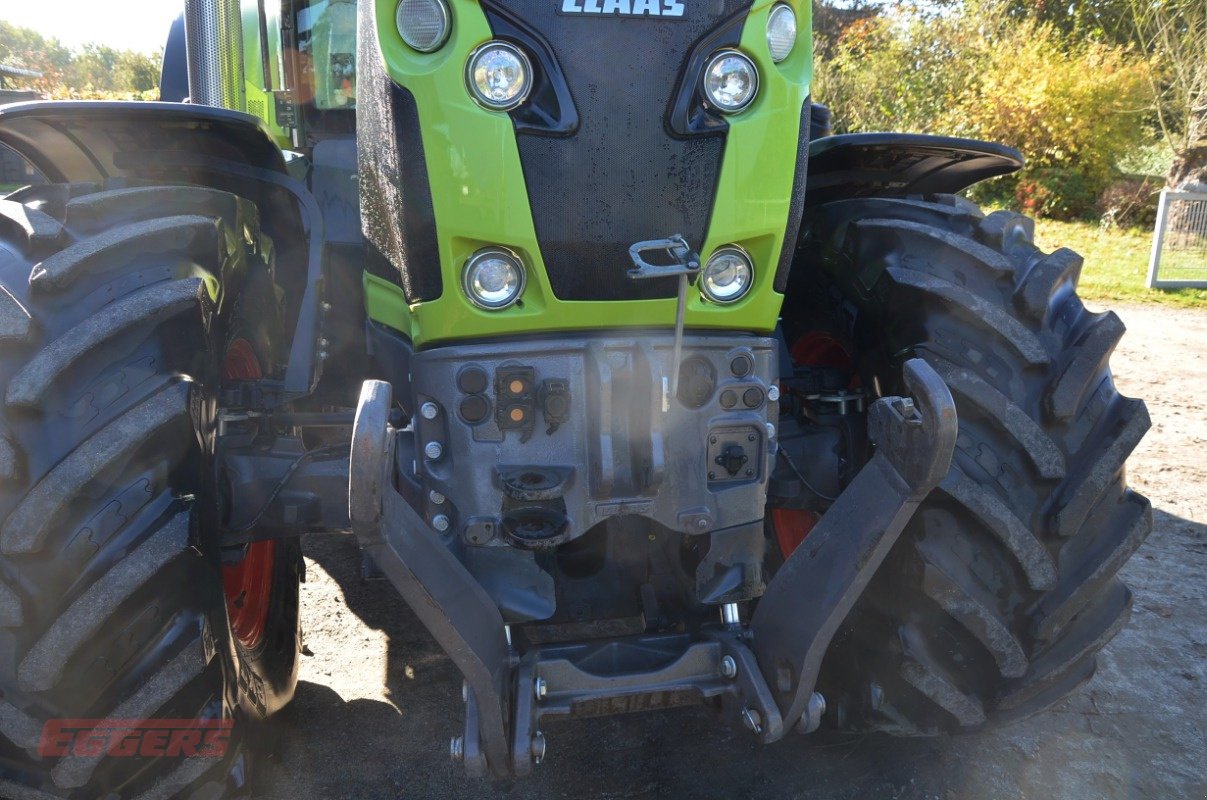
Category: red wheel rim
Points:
column 248, row 584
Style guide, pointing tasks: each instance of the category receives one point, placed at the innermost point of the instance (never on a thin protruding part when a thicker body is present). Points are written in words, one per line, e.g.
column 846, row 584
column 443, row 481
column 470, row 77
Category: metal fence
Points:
column 1179, row 257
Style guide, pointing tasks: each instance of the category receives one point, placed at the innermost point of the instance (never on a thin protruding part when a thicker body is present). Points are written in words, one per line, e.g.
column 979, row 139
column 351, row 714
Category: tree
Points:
column 137, row 71
column 1077, row 20
column 831, row 19
column 92, row 71
column 1174, row 34
column 95, row 67
column 26, row 48
column 1074, row 108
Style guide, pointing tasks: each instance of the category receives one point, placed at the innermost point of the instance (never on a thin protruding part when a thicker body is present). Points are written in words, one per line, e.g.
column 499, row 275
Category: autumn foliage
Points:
column 1074, row 109
column 92, row 72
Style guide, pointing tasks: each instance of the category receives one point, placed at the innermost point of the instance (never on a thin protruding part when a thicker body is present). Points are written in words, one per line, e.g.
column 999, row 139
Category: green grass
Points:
column 1116, row 264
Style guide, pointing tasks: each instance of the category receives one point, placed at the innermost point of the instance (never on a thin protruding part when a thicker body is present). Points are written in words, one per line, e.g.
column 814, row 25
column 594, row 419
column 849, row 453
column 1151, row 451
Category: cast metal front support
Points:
column 815, row 588
column 502, row 705
column 764, row 676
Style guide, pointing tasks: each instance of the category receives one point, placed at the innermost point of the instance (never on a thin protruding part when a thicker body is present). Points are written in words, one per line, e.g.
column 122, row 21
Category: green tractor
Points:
column 638, row 386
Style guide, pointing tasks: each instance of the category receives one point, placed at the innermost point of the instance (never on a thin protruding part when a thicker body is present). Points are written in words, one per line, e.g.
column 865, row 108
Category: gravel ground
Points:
column 378, row 700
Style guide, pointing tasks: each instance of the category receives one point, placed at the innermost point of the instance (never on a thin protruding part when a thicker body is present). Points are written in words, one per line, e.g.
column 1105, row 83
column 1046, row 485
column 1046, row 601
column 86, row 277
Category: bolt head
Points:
column 440, row 522
column 773, row 393
column 729, row 667
column 770, row 430
column 540, row 688
column 436, row 498
column 429, row 410
column 433, row 450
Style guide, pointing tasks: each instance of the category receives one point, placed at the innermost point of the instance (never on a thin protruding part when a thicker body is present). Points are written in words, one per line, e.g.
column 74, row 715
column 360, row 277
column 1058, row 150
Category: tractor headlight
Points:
column 730, row 81
column 423, row 24
column 781, row 32
column 499, row 76
column 493, row 278
column 728, row 275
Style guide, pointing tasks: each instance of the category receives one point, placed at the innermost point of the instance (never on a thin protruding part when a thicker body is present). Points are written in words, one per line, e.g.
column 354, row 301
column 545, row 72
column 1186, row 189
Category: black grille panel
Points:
column 621, row 178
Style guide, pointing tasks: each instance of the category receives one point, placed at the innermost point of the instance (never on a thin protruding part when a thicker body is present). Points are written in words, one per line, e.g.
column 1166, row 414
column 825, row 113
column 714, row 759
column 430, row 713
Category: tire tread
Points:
column 1003, row 587
column 29, row 524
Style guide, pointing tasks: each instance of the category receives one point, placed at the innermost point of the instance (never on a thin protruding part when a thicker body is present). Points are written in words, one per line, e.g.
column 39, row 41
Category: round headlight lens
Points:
column 493, row 278
column 730, row 81
column 728, row 275
column 781, row 32
column 423, row 24
column 499, row 76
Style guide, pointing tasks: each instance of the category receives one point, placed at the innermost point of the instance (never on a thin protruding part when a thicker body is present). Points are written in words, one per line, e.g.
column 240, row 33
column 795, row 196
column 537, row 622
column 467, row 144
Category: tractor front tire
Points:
column 117, row 307
column 1003, row 587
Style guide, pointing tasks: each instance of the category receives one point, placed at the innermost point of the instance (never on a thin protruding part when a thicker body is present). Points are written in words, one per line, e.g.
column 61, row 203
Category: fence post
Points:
column 1158, row 238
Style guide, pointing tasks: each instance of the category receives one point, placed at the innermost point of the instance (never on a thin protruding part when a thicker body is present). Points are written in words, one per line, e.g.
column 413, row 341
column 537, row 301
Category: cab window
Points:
column 326, row 32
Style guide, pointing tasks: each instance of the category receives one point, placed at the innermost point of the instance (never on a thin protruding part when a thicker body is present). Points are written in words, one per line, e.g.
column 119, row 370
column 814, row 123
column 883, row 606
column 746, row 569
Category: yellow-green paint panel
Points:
column 479, row 195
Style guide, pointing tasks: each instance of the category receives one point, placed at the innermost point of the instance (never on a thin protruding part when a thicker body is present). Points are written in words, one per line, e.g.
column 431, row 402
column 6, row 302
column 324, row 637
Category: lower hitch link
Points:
column 764, row 675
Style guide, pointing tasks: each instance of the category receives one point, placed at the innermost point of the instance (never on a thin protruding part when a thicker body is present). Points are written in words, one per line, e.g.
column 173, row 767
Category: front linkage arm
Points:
column 819, row 583
column 442, row 593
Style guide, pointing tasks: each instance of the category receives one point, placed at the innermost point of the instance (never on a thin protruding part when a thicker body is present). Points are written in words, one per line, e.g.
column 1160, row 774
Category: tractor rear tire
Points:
column 117, row 307
column 994, row 602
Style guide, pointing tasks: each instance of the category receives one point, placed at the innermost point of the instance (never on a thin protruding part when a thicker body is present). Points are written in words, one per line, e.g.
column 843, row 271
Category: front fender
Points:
column 130, row 143
column 93, row 141
column 898, row 164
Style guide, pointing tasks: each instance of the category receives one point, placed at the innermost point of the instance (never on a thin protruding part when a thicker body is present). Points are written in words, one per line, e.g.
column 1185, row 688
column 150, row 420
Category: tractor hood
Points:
column 614, row 144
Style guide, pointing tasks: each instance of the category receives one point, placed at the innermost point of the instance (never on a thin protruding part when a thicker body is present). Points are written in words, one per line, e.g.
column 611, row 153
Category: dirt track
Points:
column 378, row 701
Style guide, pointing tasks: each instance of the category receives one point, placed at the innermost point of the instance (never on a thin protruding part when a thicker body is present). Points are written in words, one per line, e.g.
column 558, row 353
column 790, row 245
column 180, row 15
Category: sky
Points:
column 140, row 25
